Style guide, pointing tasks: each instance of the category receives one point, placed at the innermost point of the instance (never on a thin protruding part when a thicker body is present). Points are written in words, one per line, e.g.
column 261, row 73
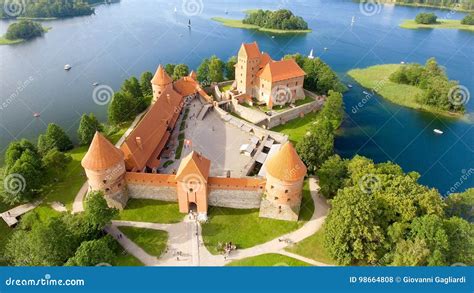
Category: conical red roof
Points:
column 161, row 78
column 102, row 154
column 286, row 164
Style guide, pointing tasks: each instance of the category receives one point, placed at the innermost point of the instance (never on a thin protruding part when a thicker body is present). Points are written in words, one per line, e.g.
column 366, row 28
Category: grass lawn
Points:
column 150, row 210
column 445, row 23
column 312, row 247
column 268, row 260
column 5, row 41
column 376, row 78
column 296, row 129
column 225, row 88
column 236, row 23
column 124, row 259
column 152, row 241
column 246, row 229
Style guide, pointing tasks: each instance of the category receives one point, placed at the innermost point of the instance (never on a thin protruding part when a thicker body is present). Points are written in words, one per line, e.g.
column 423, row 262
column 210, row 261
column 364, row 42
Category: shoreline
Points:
column 388, row 89
column 425, row 6
column 441, row 24
column 4, row 41
column 235, row 23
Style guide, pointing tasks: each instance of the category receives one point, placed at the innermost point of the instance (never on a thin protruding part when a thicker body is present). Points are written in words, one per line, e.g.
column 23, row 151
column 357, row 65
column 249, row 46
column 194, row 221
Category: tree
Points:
column 332, row 175
column 119, row 109
column 24, row 29
column 216, row 69
column 55, row 137
column 230, row 68
column 180, row 71
column 461, row 241
column 55, row 160
column 145, row 83
column 92, row 253
column 460, row 205
column 333, row 109
column 132, row 88
column 426, row 18
column 411, row 253
column 97, row 212
column 16, row 149
column 203, row 72
column 468, row 19
column 352, row 234
column 317, row 146
column 87, row 128
column 169, row 68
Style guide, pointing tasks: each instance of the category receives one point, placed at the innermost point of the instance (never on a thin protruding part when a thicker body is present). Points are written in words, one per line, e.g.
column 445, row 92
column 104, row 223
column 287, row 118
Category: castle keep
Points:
column 133, row 169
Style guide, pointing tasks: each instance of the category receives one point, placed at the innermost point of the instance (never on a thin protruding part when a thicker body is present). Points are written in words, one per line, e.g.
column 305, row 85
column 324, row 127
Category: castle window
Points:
column 288, row 200
column 286, row 191
column 120, row 185
column 276, row 198
column 296, row 83
column 271, row 186
column 107, row 189
column 105, row 181
column 190, row 190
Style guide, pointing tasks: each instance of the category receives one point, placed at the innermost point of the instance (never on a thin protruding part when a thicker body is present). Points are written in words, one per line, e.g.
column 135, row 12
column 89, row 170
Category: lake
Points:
column 133, row 36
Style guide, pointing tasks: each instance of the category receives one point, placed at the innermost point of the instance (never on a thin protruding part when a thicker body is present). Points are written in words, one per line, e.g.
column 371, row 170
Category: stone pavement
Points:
column 10, row 216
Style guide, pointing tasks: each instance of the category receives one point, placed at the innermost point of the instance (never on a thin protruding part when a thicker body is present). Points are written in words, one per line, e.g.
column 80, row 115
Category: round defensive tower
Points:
column 160, row 82
column 105, row 169
column 285, row 174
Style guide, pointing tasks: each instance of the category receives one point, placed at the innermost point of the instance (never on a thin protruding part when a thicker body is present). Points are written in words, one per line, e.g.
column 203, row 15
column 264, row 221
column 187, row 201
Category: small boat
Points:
column 226, row 11
column 273, row 37
column 366, row 93
column 175, row 10
column 189, row 23
column 311, row 56
column 36, row 114
column 437, row 131
column 95, row 84
column 349, row 86
column 326, row 48
column 403, row 62
column 353, row 20
column 67, row 67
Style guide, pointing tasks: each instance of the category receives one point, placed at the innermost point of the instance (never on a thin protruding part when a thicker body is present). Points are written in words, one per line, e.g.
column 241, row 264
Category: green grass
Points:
column 151, row 241
column 313, row 247
column 167, row 163
column 179, row 149
column 236, row 23
column 445, row 24
column 296, row 129
column 5, row 41
column 245, row 228
column 124, row 259
column 268, row 260
column 376, row 78
column 225, row 88
column 149, row 210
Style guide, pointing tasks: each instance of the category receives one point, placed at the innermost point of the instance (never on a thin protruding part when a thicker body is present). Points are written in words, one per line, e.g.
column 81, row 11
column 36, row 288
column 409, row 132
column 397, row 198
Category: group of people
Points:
column 228, row 248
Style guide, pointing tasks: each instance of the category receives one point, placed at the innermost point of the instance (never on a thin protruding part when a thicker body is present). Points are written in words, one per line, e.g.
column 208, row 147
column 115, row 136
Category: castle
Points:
column 270, row 82
column 131, row 171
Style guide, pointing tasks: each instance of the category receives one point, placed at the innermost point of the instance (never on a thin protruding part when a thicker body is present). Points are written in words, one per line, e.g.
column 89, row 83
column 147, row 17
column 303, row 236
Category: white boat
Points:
column 36, row 115
column 67, row 67
column 365, row 93
column 353, row 20
column 95, row 84
column 273, row 37
column 437, row 131
column 175, row 10
column 311, row 56
column 349, row 86
column 403, row 62
column 325, row 48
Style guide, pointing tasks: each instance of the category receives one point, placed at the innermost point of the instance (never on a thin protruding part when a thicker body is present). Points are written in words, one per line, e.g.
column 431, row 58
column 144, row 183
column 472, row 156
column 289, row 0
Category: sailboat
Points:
column 353, row 20
column 311, row 56
column 175, row 10
column 189, row 23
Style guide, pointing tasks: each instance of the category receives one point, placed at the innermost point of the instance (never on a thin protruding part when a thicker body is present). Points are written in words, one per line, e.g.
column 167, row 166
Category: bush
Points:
column 468, row 19
column 426, row 18
column 24, row 29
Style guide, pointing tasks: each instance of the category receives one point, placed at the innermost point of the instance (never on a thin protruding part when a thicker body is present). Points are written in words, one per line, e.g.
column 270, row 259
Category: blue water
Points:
column 130, row 37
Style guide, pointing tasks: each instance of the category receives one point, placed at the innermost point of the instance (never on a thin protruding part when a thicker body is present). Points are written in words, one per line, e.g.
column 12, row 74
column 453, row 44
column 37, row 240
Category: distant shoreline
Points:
column 441, row 24
column 235, row 23
column 425, row 6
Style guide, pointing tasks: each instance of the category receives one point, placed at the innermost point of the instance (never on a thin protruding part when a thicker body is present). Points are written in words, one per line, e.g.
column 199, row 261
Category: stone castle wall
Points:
column 236, row 199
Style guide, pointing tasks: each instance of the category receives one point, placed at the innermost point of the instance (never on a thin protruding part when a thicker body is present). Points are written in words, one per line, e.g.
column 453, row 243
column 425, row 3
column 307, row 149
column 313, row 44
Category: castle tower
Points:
column 160, row 82
column 105, row 169
column 285, row 174
column 248, row 64
column 191, row 177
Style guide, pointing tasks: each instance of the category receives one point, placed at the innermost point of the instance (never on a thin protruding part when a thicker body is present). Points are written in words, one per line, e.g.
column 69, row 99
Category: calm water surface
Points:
column 136, row 35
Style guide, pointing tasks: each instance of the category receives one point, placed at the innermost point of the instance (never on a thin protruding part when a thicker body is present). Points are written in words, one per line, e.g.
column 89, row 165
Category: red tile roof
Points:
column 161, row 78
column 193, row 165
column 281, row 70
column 102, row 154
column 286, row 164
column 252, row 50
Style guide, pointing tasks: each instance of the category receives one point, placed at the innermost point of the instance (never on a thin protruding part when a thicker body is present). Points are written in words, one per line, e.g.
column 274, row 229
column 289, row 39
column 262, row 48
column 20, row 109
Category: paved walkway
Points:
column 10, row 216
column 186, row 247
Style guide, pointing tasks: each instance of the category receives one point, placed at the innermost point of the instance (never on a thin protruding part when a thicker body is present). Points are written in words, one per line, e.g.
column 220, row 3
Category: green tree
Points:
column 333, row 109
column 468, row 19
column 332, row 175
column 203, row 72
column 216, row 69
column 461, row 205
column 92, row 253
column 97, row 212
column 317, row 146
column 88, row 126
column 230, row 68
column 352, row 234
column 180, row 70
column 24, row 29
column 411, row 253
column 119, row 109
column 16, row 149
column 426, row 18
column 55, row 160
column 145, row 83
column 55, row 137
column 169, row 68
column 132, row 87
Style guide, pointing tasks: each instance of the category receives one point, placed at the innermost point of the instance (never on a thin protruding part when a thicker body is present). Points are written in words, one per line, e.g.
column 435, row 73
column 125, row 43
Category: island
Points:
column 46, row 10
column 22, row 31
column 452, row 5
column 430, row 21
column 415, row 86
column 281, row 21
